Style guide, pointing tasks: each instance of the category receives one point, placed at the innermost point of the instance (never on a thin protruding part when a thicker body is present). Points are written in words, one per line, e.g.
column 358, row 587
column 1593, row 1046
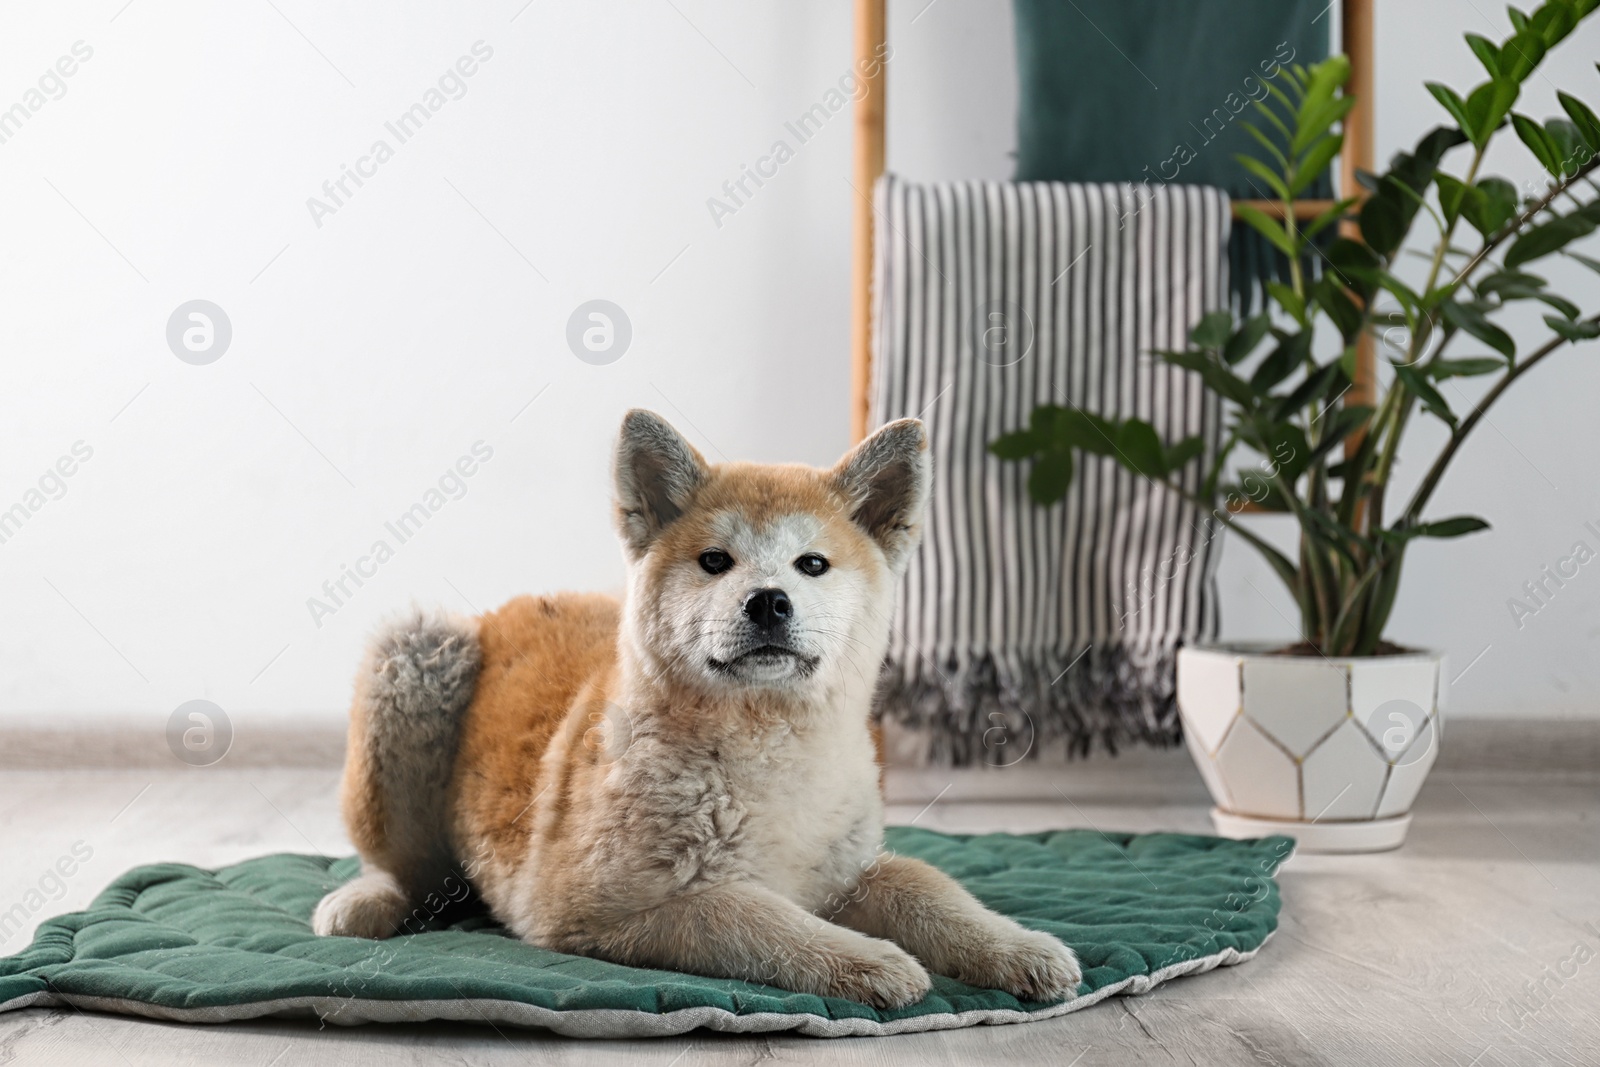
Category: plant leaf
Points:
column 1244, row 342
column 1266, row 142
column 1441, row 369
column 1552, row 22
column 1265, row 173
column 1424, row 159
column 1338, row 306
column 1486, row 52
column 1327, row 76
column 1329, row 217
column 1182, row 452
column 1587, row 261
column 1318, row 121
column 1454, row 527
column 1139, row 449
column 1559, row 303
column 1283, row 444
column 1510, row 279
column 1218, row 379
column 1042, row 419
column 1267, row 226
column 1271, row 115
column 1212, row 330
column 1289, row 300
column 1357, row 265
column 1452, row 194
column 1348, row 420
column 1263, row 495
column 1573, row 331
column 1540, row 143
column 1496, row 207
column 1383, row 225
column 1316, row 385
column 1472, row 321
column 1571, row 151
column 1076, row 428
column 1487, row 107
column 1400, row 290
column 1520, row 54
column 1019, row 444
column 1452, row 103
column 1315, row 161
column 1548, row 237
column 1521, row 292
column 1425, row 392
column 1051, row 476
column 1585, row 120
column 1281, row 361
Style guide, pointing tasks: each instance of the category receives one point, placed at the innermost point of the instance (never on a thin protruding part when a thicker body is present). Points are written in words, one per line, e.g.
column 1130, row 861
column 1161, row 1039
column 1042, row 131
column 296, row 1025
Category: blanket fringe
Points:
column 983, row 710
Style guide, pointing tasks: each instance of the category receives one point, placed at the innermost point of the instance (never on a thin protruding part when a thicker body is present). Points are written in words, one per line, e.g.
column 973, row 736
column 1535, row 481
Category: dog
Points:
column 685, row 780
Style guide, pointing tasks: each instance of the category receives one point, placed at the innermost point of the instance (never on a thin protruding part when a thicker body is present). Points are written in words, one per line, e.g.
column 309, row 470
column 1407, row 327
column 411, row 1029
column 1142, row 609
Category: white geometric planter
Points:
column 1329, row 750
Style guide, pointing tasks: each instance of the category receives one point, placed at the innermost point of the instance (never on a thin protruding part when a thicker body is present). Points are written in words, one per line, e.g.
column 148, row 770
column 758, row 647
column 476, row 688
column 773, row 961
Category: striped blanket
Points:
column 1025, row 631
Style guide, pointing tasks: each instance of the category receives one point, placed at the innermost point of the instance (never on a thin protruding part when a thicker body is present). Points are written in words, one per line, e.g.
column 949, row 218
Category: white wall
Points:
column 371, row 352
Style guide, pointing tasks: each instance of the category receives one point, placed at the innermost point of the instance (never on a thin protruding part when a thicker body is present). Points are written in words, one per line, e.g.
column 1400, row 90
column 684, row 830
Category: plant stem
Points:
column 1389, row 413
column 1512, row 228
column 1278, row 561
column 1400, row 412
column 1431, row 480
column 1444, row 240
column 1296, row 273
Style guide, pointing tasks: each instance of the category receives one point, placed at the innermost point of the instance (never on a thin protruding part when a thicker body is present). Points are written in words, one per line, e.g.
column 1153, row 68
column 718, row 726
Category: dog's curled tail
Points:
column 411, row 694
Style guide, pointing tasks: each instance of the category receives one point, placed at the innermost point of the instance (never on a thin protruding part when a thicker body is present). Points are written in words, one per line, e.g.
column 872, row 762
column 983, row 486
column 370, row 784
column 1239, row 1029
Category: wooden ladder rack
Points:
column 870, row 35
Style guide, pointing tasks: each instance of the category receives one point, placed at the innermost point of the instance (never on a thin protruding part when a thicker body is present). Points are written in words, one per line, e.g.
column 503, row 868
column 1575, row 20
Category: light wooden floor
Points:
column 1479, row 943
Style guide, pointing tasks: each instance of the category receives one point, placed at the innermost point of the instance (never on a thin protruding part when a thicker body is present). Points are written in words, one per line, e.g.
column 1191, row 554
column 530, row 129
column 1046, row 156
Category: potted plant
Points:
column 1329, row 739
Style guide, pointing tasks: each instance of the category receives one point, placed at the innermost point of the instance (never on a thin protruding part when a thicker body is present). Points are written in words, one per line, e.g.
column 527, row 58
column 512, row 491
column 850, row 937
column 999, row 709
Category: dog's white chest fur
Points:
column 796, row 811
column 812, row 814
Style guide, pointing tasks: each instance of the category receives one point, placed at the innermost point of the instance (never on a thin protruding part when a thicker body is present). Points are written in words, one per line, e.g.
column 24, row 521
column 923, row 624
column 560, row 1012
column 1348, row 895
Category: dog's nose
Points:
column 768, row 608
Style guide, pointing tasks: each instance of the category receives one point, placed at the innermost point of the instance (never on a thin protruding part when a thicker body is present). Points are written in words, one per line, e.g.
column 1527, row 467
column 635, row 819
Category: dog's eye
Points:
column 811, row 564
column 715, row 561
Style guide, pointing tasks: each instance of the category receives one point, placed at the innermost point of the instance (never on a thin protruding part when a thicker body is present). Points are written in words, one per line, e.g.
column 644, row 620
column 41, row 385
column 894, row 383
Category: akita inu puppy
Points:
column 685, row 780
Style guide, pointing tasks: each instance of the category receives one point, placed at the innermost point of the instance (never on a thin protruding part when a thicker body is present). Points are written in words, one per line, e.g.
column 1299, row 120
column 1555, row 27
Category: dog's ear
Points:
column 656, row 473
column 886, row 480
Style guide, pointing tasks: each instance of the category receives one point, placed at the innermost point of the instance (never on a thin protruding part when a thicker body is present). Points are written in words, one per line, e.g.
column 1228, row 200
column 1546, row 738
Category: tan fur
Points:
column 678, row 781
column 538, row 654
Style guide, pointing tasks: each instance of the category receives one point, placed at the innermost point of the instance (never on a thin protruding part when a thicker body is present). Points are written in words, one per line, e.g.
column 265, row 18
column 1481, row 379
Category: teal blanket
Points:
column 176, row 942
column 1154, row 90
column 1157, row 91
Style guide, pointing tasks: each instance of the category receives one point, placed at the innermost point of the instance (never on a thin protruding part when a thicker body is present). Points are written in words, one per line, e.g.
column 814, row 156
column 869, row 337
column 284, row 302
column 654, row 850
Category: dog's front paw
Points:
column 884, row 976
column 370, row 906
column 1025, row 963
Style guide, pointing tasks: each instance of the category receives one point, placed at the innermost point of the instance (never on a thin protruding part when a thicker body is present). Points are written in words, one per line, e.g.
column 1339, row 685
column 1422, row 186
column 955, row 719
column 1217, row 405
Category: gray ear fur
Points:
column 887, row 478
column 656, row 473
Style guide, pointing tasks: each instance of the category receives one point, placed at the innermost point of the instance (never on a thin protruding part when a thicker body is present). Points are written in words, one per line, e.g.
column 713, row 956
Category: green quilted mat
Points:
column 172, row 941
